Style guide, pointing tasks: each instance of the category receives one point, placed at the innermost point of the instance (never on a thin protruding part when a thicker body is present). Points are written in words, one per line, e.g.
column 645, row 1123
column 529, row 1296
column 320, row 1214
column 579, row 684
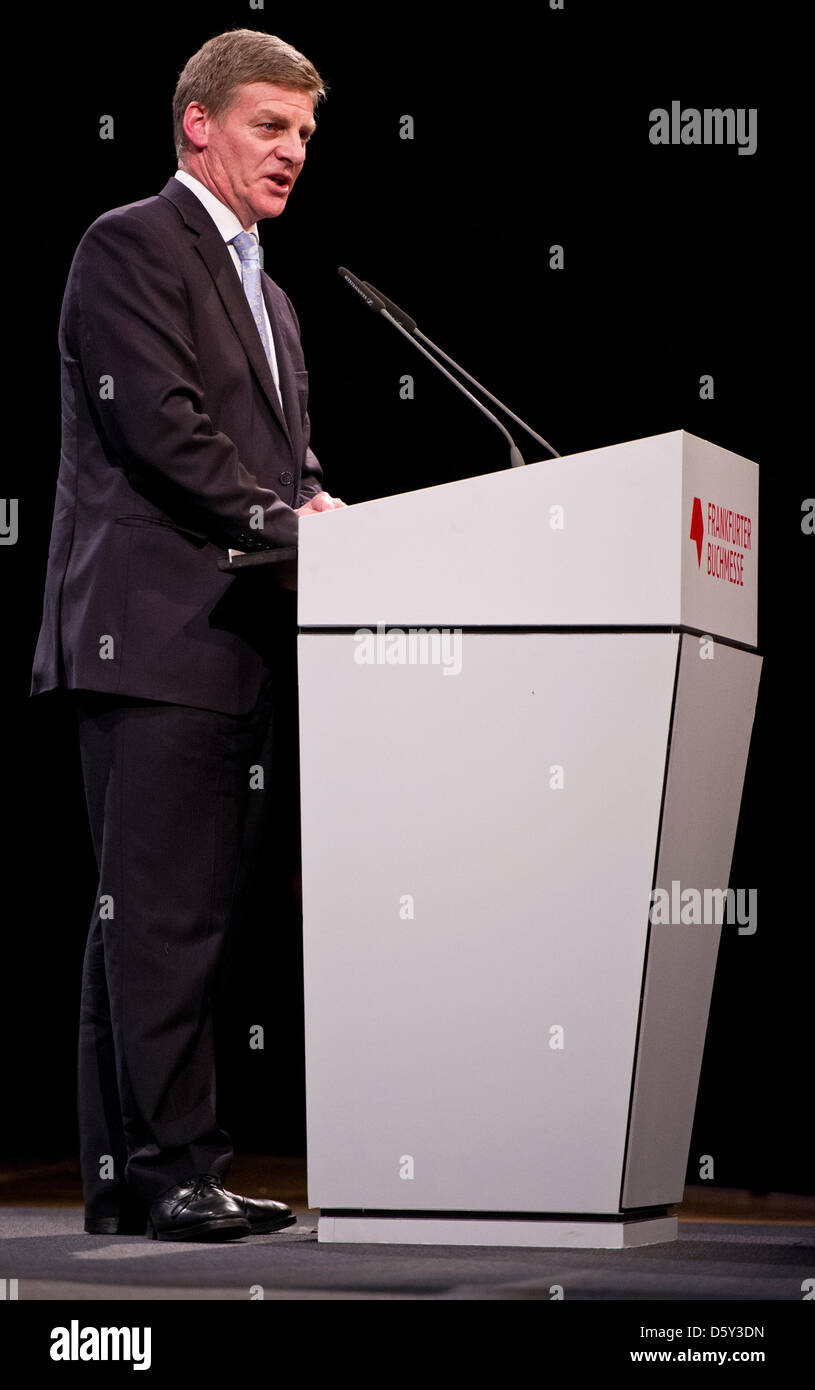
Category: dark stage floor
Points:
column 731, row 1246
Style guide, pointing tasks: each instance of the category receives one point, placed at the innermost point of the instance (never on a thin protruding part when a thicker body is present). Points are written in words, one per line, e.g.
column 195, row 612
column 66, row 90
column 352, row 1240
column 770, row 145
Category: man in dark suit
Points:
column 185, row 435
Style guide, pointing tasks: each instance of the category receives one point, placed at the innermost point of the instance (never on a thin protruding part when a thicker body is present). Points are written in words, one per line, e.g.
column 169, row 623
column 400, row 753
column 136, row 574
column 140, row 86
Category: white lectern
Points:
column 545, row 724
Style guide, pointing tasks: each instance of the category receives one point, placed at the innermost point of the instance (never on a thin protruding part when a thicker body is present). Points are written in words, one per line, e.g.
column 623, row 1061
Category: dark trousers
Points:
column 176, row 824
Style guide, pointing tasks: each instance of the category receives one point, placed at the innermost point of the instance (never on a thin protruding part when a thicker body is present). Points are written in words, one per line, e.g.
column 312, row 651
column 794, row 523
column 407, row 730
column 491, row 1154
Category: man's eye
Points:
column 275, row 125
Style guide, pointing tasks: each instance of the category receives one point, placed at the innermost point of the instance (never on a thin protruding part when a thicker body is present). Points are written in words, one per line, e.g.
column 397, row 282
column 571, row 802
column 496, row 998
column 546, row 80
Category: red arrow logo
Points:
column 697, row 528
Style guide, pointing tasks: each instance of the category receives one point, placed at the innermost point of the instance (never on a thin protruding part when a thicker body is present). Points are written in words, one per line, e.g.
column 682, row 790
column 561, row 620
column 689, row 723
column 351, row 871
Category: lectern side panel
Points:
column 478, row 849
column 713, row 718
column 720, row 541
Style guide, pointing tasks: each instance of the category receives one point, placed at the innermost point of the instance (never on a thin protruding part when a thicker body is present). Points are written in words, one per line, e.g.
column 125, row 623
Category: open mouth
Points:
column 279, row 180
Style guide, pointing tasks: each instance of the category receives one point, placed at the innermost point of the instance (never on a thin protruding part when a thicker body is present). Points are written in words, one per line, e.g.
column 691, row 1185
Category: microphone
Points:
column 410, row 325
column 375, row 302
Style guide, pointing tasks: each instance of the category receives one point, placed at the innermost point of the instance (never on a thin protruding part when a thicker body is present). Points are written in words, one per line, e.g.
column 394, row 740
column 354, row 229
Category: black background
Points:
column 531, row 129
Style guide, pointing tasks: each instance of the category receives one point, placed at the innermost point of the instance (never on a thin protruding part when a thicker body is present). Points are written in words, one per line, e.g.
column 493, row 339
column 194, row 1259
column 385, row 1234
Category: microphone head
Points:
column 366, row 295
column 393, row 309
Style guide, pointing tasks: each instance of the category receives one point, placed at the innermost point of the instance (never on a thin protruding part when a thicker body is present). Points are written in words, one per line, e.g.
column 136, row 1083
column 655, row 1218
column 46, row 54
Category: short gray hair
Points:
column 231, row 60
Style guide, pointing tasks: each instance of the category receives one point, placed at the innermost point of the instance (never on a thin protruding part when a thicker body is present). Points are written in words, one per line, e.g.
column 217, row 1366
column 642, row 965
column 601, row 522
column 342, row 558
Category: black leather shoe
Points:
column 263, row 1214
column 198, row 1209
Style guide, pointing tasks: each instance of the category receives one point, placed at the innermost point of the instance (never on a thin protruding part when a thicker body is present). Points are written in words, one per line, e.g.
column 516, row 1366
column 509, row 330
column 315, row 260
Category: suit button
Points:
column 287, row 478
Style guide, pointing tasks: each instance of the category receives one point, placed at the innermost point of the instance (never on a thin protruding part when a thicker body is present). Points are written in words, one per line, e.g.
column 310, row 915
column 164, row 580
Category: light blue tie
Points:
column 247, row 248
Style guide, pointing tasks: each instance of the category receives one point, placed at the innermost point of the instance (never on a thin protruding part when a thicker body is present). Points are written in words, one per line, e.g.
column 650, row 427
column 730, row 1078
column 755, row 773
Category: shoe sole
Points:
column 206, row 1230
column 268, row 1227
column 110, row 1226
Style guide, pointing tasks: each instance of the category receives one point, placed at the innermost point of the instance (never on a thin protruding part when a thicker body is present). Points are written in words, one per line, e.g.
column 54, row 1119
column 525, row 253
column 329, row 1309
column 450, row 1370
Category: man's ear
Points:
column 197, row 122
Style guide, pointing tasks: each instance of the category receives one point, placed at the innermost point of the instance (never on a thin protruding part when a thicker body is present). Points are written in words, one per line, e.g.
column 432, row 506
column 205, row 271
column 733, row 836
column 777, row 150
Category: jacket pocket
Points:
column 138, row 519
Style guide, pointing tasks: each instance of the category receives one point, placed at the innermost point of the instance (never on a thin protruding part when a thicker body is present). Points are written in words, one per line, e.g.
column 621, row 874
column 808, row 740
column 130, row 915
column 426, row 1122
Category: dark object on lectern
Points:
column 257, row 557
column 280, row 565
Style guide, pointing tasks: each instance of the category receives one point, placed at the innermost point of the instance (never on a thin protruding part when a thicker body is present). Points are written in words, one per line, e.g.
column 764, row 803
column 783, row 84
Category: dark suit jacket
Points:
column 172, row 437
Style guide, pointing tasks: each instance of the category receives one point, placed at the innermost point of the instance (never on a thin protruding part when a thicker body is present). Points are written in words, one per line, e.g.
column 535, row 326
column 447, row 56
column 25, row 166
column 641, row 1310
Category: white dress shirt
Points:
column 229, row 226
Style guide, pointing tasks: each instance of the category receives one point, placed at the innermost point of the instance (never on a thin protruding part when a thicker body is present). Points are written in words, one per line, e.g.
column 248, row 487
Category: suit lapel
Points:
column 288, row 386
column 214, row 252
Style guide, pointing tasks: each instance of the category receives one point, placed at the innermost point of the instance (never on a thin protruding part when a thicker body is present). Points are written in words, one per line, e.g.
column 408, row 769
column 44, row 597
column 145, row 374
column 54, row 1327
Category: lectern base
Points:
column 574, row 1233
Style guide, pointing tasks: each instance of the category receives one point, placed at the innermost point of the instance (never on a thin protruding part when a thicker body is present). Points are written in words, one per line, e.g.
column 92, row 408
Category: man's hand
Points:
column 320, row 502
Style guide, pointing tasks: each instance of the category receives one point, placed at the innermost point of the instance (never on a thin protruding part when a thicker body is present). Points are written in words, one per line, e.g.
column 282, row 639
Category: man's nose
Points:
column 292, row 149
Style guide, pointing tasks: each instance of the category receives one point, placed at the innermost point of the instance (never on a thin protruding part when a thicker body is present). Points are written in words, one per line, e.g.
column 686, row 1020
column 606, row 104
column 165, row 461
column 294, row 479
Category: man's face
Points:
column 253, row 153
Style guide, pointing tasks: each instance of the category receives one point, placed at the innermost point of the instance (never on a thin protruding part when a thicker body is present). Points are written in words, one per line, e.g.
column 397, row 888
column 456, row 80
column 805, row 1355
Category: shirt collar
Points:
column 225, row 219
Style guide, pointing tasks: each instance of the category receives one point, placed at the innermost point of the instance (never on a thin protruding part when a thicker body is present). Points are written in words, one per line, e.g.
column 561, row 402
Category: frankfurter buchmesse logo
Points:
column 723, row 524
column 704, row 907
column 710, row 126
column 416, row 646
